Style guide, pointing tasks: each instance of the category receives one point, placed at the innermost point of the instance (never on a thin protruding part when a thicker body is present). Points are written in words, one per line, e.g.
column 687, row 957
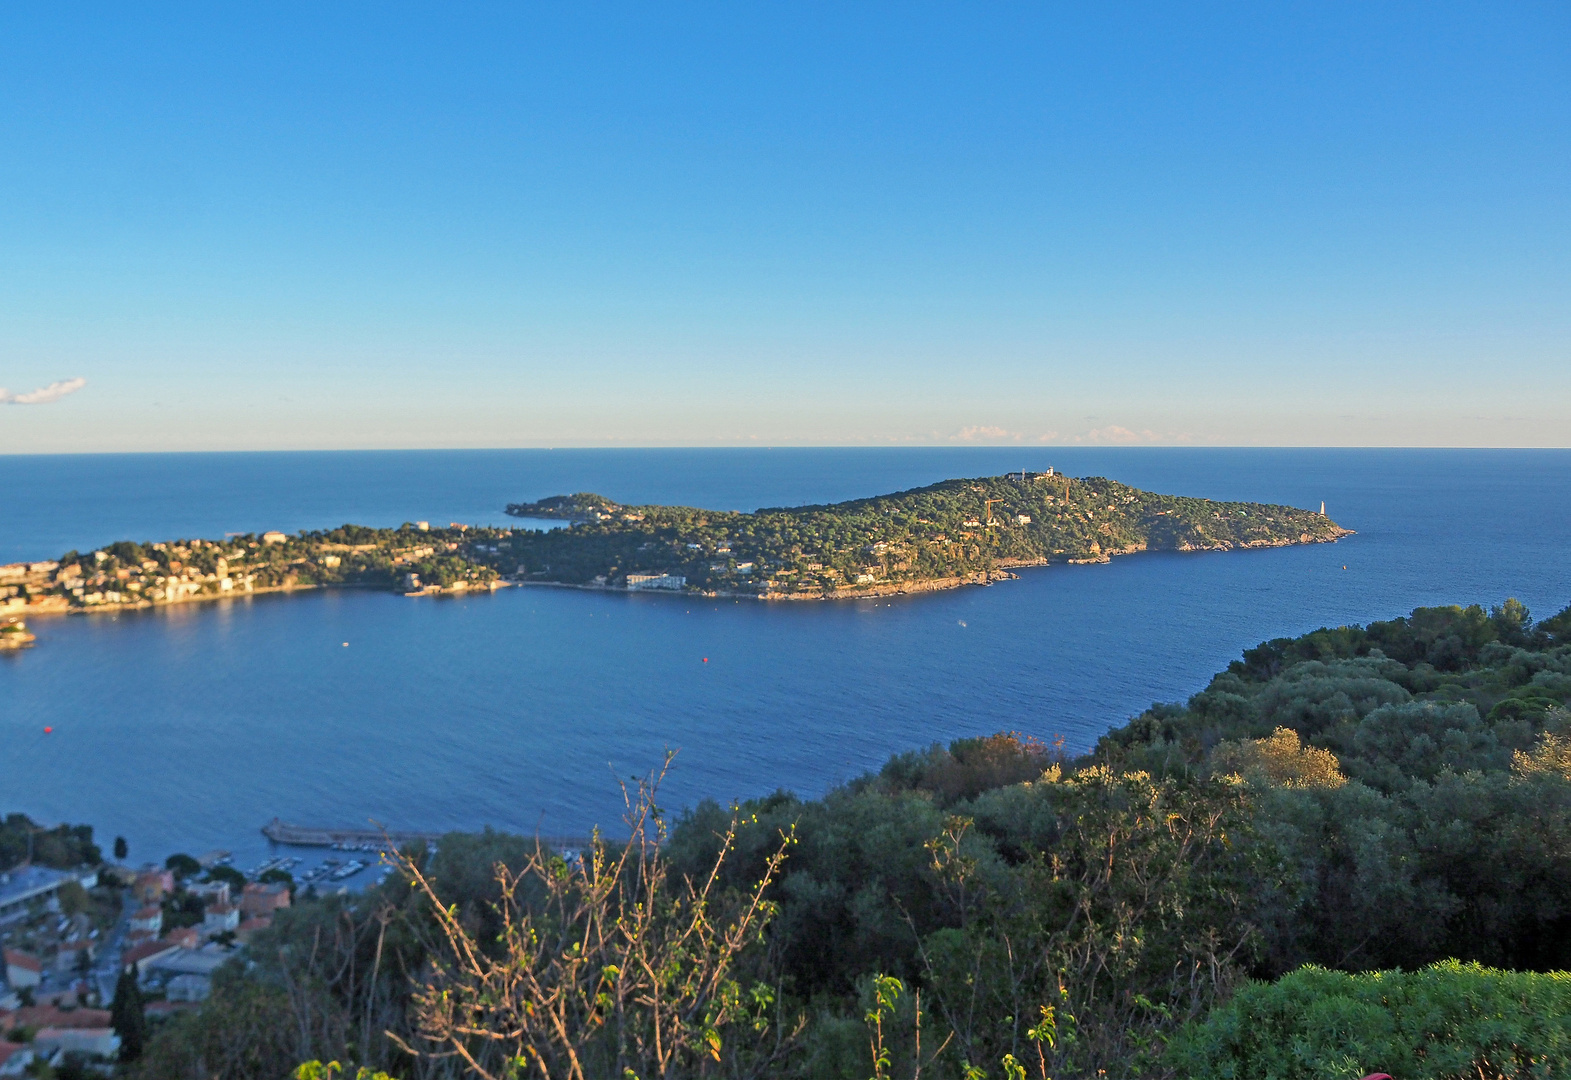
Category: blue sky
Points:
column 398, row 226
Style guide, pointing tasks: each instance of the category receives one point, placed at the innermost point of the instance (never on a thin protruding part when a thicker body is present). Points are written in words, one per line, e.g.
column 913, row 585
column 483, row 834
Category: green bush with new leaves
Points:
column 1448, row 1021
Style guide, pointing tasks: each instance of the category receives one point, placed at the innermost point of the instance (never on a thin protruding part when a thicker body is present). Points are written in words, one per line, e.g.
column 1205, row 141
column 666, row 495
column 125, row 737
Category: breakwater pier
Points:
column 282, row 832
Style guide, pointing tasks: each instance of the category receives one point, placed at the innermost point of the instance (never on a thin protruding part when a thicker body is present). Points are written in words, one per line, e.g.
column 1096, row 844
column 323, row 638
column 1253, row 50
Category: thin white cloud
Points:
column 1110, row 435
column 983, row 433
column 1117, row 435
column 44, row 394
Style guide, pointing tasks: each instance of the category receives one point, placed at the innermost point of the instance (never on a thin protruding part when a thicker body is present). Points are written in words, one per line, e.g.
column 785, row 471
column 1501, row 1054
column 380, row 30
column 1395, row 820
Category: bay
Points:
column 186, row 728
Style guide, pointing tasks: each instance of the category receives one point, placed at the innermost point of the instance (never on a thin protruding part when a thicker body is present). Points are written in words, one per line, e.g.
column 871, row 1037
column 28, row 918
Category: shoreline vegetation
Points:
column 944, row 536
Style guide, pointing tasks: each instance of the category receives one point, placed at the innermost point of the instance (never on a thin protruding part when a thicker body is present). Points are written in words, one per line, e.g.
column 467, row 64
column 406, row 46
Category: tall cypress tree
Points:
column 127, row 1017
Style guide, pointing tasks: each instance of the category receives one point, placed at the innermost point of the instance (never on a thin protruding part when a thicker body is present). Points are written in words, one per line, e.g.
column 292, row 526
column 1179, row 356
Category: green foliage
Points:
column 73, row 898
column 1110, row 898
column 332, row 1070
column 1425, row 716
column 277, row 876
column 184, row 866
column 1450, row 1021
column 247, row 1030
column 605, row 965
column 886, row 991
column 969, row 767
column 63, row 847
column 126, row 552
column 463, row 872
column 126, row 1016
column 235, row 879
column 182, row 909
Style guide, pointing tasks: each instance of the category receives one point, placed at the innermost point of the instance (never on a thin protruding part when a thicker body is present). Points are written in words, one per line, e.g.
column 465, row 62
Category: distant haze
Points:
column 345, row 226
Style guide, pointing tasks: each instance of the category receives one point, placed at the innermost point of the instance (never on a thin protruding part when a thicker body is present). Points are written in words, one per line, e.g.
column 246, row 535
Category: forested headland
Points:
column 1196, row 896
column 946, row 533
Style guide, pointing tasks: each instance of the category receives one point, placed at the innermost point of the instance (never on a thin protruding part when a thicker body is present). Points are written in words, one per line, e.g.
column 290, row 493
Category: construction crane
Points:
column 989, row 503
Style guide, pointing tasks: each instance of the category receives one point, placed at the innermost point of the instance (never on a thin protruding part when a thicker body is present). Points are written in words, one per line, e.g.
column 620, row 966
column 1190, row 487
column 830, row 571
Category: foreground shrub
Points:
column 1450, row 1020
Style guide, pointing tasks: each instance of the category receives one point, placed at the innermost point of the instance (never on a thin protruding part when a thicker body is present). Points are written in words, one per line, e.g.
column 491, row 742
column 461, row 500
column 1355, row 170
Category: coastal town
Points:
column 86, row 946
column 130, row 575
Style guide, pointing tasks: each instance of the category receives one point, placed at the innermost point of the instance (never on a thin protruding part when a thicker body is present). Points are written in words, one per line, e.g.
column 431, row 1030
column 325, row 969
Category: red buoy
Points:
column 47, row 730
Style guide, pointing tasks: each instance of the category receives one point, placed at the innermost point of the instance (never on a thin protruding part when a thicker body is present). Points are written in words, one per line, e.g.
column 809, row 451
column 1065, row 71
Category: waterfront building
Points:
column 22, row 888
column 656, row 581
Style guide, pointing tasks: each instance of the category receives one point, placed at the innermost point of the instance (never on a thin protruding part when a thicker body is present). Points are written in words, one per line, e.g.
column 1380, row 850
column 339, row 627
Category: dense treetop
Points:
column 64, row 847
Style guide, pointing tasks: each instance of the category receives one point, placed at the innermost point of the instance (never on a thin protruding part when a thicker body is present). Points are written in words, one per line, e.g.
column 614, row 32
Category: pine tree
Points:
column 126, row 1015
column 121, row 848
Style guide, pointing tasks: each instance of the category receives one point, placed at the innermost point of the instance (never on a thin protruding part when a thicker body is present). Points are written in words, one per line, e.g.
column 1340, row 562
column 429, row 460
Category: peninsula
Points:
column 948, row 534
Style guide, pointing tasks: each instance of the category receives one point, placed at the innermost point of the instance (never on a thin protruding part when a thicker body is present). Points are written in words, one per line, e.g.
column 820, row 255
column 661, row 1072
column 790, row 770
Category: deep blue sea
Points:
column 188, row 728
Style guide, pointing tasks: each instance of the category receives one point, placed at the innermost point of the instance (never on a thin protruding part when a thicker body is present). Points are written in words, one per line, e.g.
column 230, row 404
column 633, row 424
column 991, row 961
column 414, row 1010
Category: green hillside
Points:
column 953, row 529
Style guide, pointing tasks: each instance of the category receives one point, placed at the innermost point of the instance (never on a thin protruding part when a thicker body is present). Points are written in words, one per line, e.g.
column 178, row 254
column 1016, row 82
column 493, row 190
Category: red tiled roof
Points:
column 23, row 960
column 42, row 1016
column 147, row 949
column 185, row 936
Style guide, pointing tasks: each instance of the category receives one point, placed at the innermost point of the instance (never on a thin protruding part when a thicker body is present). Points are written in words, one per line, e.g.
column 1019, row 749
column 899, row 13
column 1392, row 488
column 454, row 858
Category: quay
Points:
column 281, row 832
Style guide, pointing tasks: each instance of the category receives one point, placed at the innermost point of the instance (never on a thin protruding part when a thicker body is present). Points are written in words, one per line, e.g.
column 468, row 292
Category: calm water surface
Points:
column 187, row 728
